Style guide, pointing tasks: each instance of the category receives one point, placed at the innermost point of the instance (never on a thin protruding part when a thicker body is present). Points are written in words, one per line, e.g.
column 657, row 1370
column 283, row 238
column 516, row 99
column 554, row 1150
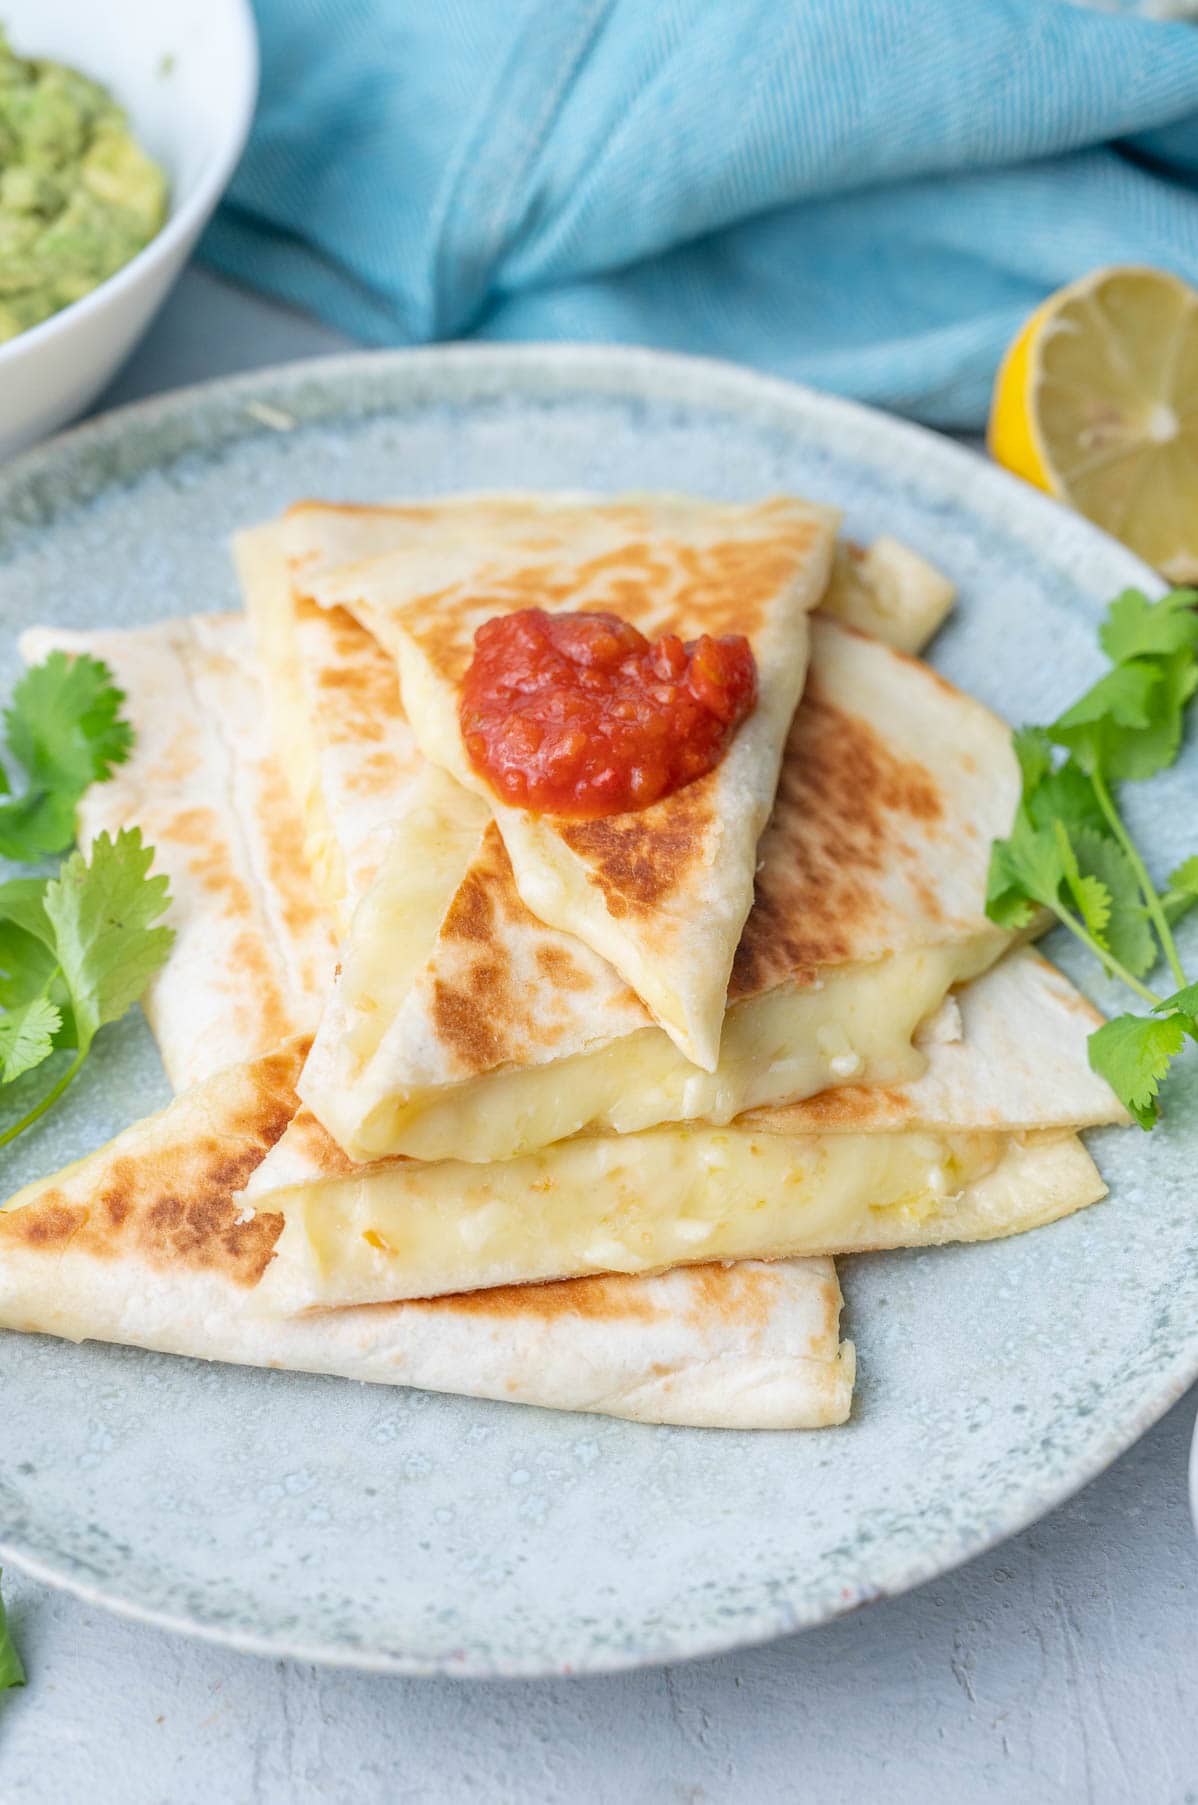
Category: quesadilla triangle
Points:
column 982, row 1144
column 151, row 1249
column 506, row 1035
column 145, row 1244
column 335, row 714
column 661, row 892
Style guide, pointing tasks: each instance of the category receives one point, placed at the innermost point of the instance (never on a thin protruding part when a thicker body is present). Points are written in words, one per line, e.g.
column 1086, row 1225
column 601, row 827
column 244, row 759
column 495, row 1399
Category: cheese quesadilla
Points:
column 145, row 1243
column 659, row 892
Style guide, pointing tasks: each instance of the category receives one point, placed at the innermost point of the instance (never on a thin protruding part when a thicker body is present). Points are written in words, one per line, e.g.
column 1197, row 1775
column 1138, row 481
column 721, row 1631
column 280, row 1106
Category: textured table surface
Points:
column 1062, row 1667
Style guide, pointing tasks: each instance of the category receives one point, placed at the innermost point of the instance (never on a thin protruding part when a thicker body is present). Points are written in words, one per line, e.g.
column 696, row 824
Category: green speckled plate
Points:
column 397, row 1530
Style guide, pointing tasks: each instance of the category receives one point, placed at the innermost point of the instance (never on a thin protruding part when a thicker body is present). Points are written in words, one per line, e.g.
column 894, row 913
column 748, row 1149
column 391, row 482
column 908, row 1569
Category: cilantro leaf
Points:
column 1135, row 755
column 1033, row 750
column 12, row 1673
column 100, row 911
column 1183, row 1003
column 27, row 961
column 1185, row 878
column 22, row 901
column 64, row 722
column 1126, row 932
column 1132, row 1052
column 65, row 728
column 1091, row 897
column 37, row 824
column 1129, row 724
column 1025, row 869
column 27, row 1036
column 1066, row 794
column 1182, row 894
column 1121, row 699
column 1052, row 793
column 1135, row 627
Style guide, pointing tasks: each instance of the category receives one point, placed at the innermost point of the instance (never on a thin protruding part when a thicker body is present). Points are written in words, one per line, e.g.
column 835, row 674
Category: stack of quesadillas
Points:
column 569, row 1111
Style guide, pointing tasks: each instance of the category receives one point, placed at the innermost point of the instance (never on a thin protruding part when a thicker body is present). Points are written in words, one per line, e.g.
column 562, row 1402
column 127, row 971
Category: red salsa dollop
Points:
column 578, row 715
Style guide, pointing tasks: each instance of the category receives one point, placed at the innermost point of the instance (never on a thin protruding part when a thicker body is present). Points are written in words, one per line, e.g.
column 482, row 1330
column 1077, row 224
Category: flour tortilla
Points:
column 145, row 1243
column 495, row 1035
column 661, row 893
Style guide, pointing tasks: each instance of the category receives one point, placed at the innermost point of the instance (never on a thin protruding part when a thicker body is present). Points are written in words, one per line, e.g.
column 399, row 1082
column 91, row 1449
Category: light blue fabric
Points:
column 868, row 195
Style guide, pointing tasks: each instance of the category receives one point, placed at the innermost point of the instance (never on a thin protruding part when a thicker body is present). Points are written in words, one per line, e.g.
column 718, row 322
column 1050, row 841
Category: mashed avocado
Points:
column 78, row 196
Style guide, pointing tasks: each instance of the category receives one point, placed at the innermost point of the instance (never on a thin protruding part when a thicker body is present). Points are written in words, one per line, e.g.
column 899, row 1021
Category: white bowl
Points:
column 186, row 71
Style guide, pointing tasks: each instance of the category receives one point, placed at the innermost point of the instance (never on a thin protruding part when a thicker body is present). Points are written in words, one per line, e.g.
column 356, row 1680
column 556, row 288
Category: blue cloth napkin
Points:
column 868, row 195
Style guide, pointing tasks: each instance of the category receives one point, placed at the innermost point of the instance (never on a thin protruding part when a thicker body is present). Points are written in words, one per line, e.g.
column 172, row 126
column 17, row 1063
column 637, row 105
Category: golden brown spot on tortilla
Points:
column 844, row 807
column 607, row 1298
column 191, row 827
column 486, row 1006
column 845, row 1106
column 559, row 969
column 169, row 1197
column 463, row 1027
column 471, row 912
column 317, row 1146
column 638, row 859
column 280, row 835
column 210, row 863
column 929, row 901
column 357, row 682
column 742, row 1294
column 48, row 1225
column 181, row 760
column 261, row 999
column 376, row 775
column 731, row 584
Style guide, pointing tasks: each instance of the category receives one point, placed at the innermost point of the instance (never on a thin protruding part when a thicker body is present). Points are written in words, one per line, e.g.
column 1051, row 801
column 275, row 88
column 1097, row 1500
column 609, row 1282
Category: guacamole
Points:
column 78, row 195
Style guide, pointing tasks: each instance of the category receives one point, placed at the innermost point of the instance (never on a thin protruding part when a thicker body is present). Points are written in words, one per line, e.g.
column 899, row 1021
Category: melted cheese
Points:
column 658, row 1199
column 853, row 1025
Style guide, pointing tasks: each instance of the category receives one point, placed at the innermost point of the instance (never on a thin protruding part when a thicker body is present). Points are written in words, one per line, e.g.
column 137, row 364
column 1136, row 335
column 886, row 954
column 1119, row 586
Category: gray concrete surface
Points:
column 1063, row 1667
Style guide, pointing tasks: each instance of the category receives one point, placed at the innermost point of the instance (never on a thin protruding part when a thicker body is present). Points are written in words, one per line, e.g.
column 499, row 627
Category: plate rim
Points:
column 633, row 373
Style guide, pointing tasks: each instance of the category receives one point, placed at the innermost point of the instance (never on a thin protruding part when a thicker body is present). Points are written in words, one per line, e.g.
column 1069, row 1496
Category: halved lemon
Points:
column 1097, row 402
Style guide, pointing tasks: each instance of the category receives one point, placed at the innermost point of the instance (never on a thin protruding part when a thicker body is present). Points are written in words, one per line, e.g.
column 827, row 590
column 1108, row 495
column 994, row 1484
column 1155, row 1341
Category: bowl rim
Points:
column 187, row 220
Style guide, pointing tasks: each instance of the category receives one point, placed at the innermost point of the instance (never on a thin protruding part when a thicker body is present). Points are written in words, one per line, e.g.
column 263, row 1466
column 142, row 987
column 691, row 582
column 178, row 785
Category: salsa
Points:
column 578, row 715
column 78, row 195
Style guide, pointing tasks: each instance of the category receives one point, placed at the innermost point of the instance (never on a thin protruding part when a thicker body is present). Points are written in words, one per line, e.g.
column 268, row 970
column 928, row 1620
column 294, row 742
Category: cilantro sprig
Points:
column 64, row 727
column 1070, row 852
column 12, row 1673
column 76, row 949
